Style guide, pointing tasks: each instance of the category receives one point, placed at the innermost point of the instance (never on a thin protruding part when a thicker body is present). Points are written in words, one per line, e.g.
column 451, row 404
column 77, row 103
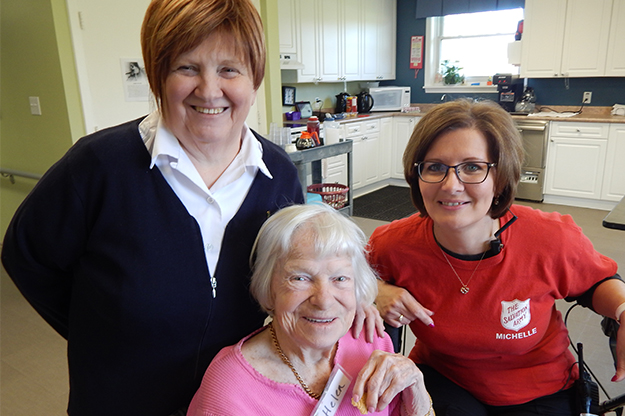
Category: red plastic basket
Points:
column 333, row 194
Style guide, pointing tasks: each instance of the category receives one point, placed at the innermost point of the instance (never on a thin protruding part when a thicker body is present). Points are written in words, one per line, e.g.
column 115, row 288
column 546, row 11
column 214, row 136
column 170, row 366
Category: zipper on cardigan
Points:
column 214, row 285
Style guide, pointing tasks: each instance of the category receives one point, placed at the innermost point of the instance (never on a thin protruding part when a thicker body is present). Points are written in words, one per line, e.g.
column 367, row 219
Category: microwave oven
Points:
column 390, row 98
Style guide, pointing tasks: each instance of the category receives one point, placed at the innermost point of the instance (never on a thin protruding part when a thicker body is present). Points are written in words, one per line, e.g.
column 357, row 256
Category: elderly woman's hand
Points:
column 369, row 318
column 384, row 376
column 398, row 307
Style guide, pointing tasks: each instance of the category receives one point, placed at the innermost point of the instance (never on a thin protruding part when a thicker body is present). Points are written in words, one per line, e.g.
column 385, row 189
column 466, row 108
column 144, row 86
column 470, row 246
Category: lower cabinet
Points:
column 386, row 144
column 402, row 130
column 366, row 159
column 614, row 175
column 584, row 161
column 575, row 167
column 335, row 169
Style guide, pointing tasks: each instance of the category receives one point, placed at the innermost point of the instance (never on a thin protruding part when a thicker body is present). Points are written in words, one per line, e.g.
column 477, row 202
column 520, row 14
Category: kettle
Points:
column 365, row 102
column 341, row 102
column 527, row 102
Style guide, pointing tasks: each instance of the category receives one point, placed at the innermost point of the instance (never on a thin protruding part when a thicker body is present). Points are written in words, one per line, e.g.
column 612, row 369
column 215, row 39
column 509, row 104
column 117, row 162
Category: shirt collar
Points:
column 160, row 141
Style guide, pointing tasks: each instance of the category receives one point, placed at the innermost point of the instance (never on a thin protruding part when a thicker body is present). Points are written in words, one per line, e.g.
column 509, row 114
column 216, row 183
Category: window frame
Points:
column 433, row 35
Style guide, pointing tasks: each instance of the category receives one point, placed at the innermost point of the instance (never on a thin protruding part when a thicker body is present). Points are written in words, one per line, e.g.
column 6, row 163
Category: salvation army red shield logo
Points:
column 516, row 314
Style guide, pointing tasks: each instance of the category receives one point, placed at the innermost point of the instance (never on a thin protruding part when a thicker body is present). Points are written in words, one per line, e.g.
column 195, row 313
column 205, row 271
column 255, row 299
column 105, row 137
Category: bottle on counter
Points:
column 330, row 130
column 313, row 127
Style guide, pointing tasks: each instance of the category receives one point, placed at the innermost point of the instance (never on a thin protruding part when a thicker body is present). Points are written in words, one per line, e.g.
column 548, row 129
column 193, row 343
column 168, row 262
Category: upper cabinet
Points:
column 379, row 39
column 572, row 38
column 615, row 64
column 288, row 28
column 340, row 40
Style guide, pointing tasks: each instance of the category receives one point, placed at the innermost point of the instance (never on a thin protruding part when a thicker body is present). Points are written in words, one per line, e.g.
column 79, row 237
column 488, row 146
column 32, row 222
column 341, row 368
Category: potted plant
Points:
column 451, row 73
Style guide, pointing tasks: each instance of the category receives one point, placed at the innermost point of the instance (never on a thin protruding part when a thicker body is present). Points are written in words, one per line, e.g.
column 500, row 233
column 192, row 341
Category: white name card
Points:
column 333, row 393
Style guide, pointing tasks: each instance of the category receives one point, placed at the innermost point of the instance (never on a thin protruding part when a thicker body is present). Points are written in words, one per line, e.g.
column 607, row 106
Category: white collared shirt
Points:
column 212, row 208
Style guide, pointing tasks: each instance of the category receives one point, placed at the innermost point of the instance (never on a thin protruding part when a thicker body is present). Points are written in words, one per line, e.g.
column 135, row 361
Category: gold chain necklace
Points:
column 465, row 287
column 286, row 360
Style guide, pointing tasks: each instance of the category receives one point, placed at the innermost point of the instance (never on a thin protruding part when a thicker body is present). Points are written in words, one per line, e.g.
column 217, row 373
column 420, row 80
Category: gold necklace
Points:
column 465, row 287
column 286, row 360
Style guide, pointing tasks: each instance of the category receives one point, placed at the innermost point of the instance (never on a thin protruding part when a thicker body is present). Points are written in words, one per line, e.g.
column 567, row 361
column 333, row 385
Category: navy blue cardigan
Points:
column 108, row 255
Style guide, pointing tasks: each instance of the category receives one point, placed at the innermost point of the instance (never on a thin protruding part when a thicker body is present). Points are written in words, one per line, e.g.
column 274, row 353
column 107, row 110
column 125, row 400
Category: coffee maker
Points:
column 509, row 90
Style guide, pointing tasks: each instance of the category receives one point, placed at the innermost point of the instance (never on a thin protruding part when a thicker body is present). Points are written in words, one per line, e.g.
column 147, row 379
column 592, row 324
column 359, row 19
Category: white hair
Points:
column 332, row 233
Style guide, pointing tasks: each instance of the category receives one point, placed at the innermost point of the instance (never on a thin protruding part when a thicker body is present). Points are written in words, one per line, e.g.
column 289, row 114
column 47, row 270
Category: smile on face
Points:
column 209, row 92
column 451, row 204
column 314, row 297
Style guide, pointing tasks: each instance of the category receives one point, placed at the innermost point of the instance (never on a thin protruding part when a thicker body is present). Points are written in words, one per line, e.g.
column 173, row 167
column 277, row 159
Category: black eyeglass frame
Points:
column 489, row 165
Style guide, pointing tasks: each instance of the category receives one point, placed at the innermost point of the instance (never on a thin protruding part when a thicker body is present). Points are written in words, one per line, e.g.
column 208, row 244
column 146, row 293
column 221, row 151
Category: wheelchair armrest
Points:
column 396, row 336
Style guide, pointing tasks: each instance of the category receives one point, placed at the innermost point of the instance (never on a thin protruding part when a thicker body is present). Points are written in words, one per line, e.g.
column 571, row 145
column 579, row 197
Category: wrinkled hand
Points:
column 369, row 318
column 398, row 307
column 620, row 353
column 384, row 376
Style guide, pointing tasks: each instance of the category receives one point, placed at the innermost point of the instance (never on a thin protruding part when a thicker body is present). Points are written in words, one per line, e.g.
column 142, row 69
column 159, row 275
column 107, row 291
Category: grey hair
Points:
column 333, row 234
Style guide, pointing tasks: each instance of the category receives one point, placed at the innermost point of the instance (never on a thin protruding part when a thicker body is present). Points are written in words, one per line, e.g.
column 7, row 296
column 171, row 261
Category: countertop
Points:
column 589, row 114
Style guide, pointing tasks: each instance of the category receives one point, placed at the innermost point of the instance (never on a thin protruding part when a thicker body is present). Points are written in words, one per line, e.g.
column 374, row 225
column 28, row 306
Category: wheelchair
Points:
column 587, row 388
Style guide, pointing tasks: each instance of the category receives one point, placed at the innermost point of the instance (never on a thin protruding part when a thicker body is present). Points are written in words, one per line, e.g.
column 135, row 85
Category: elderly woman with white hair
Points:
column 309, row 273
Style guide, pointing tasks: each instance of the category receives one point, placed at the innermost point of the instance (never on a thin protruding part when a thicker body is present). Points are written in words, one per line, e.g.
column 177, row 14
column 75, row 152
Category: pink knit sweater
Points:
column 231, row 386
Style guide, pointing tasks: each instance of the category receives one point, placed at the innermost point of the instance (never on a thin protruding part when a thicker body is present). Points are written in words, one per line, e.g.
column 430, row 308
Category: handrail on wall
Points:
column 11, row 174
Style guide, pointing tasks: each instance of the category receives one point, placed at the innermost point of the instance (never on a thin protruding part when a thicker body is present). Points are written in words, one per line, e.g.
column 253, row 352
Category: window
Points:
column 477, row 42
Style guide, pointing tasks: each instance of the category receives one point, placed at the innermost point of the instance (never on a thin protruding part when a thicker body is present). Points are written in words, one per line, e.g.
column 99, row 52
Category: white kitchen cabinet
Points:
column 307, row 21
column 329, row 41
column 378, row 39
column 287, row 15
column 335, row 167
column 367, row 152
column 339, row 39
column 614, row 174
column 386, row 140
column 615, row 63
column 335, row 170
column 576, row 159
column 565, row 38
column 402, row 130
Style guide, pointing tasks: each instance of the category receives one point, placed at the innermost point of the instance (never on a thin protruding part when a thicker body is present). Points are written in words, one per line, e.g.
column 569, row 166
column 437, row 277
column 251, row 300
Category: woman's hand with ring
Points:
column 398, row 307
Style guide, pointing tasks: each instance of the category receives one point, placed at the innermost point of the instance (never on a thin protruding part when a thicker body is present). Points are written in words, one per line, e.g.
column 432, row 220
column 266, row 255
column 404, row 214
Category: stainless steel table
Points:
column 616, row 218
column 308, row 159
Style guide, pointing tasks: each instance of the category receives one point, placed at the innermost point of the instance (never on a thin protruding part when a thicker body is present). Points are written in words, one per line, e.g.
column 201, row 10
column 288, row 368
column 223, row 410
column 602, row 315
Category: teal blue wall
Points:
column 605, row 91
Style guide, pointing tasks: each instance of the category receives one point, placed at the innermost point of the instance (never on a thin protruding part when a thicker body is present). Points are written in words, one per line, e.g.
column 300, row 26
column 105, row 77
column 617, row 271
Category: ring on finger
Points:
column 401, row 317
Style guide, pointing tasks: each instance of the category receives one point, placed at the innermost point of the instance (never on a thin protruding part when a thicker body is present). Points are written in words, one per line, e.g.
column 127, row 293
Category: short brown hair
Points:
column 173, row 27
column 504, row 146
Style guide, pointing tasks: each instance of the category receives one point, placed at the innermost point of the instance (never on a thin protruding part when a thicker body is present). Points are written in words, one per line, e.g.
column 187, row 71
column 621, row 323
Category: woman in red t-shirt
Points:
column 477, row 277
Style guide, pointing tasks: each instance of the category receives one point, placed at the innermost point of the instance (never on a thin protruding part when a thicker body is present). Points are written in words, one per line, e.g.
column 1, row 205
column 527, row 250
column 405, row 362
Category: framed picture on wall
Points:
column 288, row 95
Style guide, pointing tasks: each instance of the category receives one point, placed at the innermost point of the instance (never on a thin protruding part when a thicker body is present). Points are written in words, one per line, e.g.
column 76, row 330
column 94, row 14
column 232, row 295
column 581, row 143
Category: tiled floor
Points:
column 33, row 373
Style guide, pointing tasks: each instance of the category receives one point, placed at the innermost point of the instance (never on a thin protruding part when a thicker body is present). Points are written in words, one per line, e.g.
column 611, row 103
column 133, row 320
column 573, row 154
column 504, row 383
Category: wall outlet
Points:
column 35, row 107
column 587, row 97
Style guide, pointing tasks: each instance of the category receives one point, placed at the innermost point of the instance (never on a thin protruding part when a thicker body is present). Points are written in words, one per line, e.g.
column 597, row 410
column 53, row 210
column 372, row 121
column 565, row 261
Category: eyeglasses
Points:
column 467, row 172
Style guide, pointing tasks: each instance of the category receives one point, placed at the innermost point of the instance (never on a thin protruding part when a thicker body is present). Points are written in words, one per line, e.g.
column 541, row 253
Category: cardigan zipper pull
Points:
column 214, row 285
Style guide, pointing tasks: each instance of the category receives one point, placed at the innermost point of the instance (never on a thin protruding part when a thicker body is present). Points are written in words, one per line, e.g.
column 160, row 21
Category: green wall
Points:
column 36, row 60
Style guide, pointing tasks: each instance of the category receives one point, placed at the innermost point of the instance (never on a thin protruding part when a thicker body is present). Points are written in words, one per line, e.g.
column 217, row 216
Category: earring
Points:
column 496, row 201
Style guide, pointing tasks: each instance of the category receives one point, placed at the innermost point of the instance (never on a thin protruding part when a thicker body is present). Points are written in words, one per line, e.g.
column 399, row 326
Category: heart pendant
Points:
column 464, row 290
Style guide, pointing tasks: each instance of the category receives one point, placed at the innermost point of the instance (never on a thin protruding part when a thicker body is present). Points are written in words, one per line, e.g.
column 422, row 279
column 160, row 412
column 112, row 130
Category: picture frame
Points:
column 288, row 95
column 305, row 108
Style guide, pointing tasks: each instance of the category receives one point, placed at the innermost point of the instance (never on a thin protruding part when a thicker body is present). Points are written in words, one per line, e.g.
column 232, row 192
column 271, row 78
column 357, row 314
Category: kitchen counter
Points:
column 588, row 114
